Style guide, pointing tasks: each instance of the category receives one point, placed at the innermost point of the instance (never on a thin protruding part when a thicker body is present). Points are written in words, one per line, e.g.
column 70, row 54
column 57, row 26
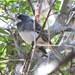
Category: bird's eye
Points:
column 18, row 16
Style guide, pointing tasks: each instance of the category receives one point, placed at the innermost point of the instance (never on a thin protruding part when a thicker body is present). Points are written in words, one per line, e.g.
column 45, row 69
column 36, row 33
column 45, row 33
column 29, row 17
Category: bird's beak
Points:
column 17, row 20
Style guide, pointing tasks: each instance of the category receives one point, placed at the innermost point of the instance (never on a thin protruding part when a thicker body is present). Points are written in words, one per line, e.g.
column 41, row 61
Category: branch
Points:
column 3, row 20
column 30, row 3
column 45, row 21
column 37, row 11
column 6, row 60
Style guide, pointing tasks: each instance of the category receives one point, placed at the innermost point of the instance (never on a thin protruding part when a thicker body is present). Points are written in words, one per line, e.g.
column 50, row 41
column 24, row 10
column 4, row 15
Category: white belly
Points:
column 28, row 37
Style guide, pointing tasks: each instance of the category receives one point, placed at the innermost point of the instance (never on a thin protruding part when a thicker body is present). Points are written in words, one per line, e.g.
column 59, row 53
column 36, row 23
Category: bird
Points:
column 25, row 26
column 28, row 33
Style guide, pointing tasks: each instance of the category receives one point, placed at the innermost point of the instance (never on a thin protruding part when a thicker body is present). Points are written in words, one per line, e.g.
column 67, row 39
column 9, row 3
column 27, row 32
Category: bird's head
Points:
column 19, row 18
column 24, row 22
column 22, row 17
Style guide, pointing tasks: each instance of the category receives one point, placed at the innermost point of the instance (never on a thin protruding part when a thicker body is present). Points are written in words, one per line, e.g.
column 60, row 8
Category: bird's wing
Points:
column 44, row 34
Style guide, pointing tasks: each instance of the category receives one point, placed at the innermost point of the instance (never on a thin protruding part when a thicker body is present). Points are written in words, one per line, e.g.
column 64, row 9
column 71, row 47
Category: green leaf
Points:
column 57, row 5
column 2, row 65
column 54, row 39
column 10, row 0
column 2, row 46
column 3, row 31
column 25, row 48
column 10, row 37
column 3, row 38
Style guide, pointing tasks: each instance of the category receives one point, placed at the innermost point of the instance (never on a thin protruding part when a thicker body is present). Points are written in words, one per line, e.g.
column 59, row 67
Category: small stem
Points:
column 45, row 21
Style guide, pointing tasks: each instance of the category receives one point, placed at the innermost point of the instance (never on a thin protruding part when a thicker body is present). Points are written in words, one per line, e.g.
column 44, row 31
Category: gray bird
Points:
column 26, row 30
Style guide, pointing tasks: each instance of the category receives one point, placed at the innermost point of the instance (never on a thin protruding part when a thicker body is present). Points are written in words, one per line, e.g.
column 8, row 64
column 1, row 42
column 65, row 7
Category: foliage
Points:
column 7, row 46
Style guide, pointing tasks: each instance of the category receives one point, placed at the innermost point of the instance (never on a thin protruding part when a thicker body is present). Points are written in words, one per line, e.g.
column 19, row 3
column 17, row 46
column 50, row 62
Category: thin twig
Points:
column 60, row 38
column 37, row 11
column 5, row 60
column 30, row 3
column 31, row 53
column 45, row 21
column 3, row 20
column 71, row 16
column 30, row 61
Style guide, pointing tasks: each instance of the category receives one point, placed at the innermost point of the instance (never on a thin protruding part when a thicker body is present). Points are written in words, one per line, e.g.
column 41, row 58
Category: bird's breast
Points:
column 28, row 37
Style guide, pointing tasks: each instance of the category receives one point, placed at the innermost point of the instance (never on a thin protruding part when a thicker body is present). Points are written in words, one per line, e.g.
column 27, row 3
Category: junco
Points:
column 28, row 33
column 25, row 26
